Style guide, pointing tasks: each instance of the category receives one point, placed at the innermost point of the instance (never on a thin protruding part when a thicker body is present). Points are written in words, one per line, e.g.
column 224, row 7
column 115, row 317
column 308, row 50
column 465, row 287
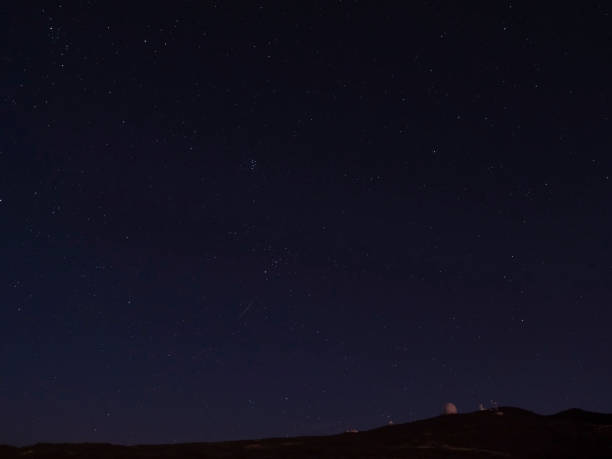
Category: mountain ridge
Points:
column 506, row 432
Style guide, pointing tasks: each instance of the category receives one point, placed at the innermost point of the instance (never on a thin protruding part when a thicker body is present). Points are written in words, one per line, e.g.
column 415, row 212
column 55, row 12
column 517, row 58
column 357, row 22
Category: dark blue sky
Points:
column 234, row 220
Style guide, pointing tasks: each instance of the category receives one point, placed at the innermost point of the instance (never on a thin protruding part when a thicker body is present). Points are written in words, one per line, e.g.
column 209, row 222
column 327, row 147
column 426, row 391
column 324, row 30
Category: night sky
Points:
column 228, row 220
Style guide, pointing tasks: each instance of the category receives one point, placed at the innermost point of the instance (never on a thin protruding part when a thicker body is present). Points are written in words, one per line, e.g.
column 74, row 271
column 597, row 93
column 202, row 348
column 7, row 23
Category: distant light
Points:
column 450, row 408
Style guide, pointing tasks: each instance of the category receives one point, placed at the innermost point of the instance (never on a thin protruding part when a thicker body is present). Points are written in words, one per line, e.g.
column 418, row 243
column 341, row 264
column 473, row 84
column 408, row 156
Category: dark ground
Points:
column 517, row 433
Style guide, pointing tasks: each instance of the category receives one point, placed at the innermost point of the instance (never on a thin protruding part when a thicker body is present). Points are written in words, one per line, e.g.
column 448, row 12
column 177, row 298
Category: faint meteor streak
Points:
column 245, row 310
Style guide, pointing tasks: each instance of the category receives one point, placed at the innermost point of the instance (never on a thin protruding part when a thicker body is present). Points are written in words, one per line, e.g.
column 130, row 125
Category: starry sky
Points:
column 229, row 220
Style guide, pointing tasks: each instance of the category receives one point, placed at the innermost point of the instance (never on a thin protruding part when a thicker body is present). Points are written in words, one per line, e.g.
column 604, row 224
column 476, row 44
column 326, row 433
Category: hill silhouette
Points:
column 517, row 433
column 586, row 416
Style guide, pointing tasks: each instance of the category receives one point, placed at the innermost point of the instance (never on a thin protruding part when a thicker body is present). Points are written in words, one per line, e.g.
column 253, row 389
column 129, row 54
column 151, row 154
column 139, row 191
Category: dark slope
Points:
column 8, row 451
column 579, row 415
column 517, row 434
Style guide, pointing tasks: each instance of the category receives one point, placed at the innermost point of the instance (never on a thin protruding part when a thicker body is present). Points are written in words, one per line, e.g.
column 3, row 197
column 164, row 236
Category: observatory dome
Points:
column 449, row 408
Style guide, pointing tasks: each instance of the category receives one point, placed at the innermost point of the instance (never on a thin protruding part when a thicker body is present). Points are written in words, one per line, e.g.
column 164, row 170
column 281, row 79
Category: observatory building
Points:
column 449, row 408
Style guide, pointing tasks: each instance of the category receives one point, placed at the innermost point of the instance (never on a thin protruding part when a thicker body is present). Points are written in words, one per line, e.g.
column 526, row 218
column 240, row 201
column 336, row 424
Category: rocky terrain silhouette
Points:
column 516, row 433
